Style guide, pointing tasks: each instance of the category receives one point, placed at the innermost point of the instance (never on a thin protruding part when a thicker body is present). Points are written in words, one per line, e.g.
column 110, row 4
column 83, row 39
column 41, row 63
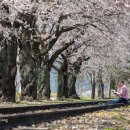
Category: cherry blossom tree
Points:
column 8, row 53
column 45, row 30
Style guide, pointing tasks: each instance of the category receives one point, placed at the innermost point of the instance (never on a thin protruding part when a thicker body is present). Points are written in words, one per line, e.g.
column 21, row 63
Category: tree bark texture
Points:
column 112, row 85
column 93, row 84
column 28, row 73
column 44, row 78
column 63, row 81
column 8, row 69
column 28, row 46
column 1, row 67
column 8, row 54
column 75, row 69
column 100, row 85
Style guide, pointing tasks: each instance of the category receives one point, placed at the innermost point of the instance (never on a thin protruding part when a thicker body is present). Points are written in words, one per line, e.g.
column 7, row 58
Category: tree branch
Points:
column 58, row 52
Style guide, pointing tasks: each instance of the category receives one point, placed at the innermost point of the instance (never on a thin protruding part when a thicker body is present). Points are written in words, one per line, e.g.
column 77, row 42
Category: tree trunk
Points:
column 44, row 79
column 72, row 90
column 99, row 91
column 28, row 73
column 28, row 70
column 112, row 84
column 72, row 79
column 93, row 91
column 100, row 85
column 102, row 89
column 8, row 70
column 63, row 81
column 29, row 46
column 109, row 94
column 93, row 83
column 1, row 67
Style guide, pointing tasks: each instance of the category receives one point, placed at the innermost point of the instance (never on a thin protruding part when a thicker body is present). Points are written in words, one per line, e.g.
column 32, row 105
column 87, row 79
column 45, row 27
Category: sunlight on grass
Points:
column 108, row 114
column 114, row 129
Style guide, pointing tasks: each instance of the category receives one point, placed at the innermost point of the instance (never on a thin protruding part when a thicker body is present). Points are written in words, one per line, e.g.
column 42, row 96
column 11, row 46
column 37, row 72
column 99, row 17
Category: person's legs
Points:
column 124, row 101
column 114, row 101
column 119, row 100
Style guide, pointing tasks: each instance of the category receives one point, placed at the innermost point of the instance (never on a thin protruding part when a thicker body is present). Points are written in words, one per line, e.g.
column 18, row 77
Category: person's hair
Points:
column 122, row 82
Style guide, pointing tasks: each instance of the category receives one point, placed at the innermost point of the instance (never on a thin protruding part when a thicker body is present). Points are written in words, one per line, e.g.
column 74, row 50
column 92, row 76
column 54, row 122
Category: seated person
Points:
column 123, row 94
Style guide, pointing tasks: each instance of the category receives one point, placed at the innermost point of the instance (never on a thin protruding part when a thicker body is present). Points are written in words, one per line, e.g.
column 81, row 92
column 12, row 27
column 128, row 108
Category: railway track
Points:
column 11, row 110
column 13, row 118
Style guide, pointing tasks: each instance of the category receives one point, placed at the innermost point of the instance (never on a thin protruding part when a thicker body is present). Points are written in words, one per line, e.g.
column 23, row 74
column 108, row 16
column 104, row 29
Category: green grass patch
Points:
column 114, row 129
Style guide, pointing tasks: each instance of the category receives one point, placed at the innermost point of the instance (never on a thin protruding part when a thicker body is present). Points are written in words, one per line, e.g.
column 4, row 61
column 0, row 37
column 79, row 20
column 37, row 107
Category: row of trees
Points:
column 68, row 36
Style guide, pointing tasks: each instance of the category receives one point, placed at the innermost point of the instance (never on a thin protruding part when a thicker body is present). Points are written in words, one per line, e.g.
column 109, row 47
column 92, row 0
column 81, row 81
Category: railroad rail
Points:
column 12, row 121
column 11, row 110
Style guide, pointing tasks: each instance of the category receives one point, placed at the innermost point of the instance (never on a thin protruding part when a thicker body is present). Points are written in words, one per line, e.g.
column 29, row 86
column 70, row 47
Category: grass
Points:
column 17, row 96
column 115, row 129
column 53, row 100
column 44, row 102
